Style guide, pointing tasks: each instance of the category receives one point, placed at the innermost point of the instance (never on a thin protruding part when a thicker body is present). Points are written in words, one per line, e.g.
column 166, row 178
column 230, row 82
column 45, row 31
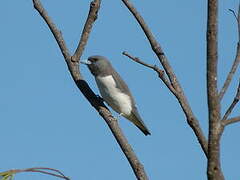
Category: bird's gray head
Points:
column 99, row 65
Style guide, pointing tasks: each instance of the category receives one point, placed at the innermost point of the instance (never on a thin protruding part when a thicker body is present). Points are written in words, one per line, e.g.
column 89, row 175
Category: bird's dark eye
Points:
column 92, row 60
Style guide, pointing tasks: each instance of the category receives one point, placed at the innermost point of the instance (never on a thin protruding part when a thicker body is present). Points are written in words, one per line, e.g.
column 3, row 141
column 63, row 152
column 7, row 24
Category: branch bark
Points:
column 160, row 73
column 191, row 119
column 231, row 73
column 214, row 171
column 235, row 101
column 236, row 61
column 231, row 121
column 43, row 170
column 73, row 66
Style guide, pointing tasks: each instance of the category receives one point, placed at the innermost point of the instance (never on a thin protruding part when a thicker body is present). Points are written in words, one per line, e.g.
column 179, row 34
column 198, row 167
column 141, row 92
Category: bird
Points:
column 114, row 90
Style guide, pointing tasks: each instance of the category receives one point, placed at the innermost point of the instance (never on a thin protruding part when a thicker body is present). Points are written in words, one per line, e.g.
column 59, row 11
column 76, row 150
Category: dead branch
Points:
column 233, row 104
column 191, row 119
column 92, row 16
column 43, row 170
column 236, row 61
column 73, row 66
column 231, row 121
column 155, row 68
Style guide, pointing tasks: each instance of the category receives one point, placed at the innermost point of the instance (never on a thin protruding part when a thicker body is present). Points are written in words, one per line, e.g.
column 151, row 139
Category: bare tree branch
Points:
column 235, row 101
column 231, row 121
column 136, row 59
column 191, row 119
column 73, row 66
column 236, row 61
column 136, row 165
column 92, row 16
column 43, row 170
column 56, row 33
column 234, row 14
column 214, row 171
column 155, row 68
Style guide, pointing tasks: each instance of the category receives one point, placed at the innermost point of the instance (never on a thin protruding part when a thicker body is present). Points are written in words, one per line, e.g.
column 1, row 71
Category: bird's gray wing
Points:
column 134, row 117
column 122, row 86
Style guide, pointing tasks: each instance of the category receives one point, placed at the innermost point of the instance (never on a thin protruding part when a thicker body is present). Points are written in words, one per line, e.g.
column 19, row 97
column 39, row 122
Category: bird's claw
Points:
column 100, row 98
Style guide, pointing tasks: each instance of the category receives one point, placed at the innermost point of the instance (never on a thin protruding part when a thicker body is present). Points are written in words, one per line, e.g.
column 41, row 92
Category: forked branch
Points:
column 191, row 119
column 73, row 66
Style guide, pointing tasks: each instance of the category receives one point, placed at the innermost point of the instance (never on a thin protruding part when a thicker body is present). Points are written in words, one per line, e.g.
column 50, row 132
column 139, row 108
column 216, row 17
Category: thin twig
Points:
column 236, row 61
column 234, row 14
column 136, row 59
column 155, row 68
column 231, row 73
column 231, row 121
column 96, row 102
column 233, row 104
column 43, row 170
column 49, row 169
column 191, row 119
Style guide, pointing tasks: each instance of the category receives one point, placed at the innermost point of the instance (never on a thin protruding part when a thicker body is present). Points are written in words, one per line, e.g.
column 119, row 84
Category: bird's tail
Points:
column 137, row 120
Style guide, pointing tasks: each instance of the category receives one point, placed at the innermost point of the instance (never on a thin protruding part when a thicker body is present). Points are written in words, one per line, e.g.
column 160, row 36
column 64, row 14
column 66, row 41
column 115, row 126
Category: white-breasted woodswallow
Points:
column 114, row 90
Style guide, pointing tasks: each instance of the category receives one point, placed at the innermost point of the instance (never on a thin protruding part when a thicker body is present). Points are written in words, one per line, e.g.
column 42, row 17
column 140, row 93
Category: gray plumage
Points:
column 114, row 90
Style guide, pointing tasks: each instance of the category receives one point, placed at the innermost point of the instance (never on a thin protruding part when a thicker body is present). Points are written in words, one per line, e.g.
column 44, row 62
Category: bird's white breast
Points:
column 118, row 101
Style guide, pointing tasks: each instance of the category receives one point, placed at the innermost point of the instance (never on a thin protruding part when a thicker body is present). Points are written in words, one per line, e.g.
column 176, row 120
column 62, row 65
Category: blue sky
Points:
column 45, row 121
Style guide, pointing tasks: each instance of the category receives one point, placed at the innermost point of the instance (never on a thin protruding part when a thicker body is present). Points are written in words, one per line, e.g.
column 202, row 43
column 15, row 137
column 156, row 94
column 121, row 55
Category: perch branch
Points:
column 73, row 66
column 236, row 61
column 191, row 119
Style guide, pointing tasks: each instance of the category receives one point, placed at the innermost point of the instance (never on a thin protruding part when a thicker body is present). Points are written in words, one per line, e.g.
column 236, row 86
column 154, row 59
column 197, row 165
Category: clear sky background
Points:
column 46, row 121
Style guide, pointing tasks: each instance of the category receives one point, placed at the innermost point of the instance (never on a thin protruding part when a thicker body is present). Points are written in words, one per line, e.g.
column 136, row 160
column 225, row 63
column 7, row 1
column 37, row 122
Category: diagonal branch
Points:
column 136, row 165
column 235, row 101
column 136, row 59
column 231, row 121
column 92, row 16
column 56, row 33
column 191, row 119
column 155, row 68
column 73, row 66
column 236, row 61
